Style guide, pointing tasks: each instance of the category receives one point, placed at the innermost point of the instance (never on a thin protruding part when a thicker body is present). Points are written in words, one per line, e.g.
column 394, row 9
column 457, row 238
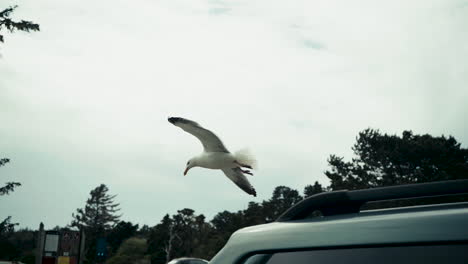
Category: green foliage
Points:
column 9, row 186
column 384, row 160
column 131, row 251
column 224, row 224
column 17, row 245
column 283, row 197
column 24, row 240
column 8, row 251
column 159, row 239
column 99, row 214
column 122, row 231
column 144, row 231
column 183, row 234
column 187, row 234
column 7, row 248
column 97, row 218
column 10, row 25
column 187, row 227
column 310, row 190
column 6, row 228
column 4, row 161
column 254, row 214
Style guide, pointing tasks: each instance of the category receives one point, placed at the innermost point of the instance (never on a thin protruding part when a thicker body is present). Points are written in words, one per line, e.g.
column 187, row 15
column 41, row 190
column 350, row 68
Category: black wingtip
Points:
column 253, row 192
column 173, row 120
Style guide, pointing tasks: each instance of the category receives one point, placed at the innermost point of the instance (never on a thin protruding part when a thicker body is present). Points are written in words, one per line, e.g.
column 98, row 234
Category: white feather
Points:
column 244, row 156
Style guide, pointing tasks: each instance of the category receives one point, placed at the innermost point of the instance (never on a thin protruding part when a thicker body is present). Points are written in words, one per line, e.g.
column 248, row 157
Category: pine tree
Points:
column 10, row 25
column 283, row 197
column 9, row 186
column 385, row 160
column 121, row 232
column 161, row 240
column 99, row 213
column 7, row 249
column 310, row 190
column 97, row 218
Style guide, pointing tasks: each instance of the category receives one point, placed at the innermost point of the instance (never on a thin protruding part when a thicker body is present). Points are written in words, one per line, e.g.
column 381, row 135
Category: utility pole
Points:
column 40, row 244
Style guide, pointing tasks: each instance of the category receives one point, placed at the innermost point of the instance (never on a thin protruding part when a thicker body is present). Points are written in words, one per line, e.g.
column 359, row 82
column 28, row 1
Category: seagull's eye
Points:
column 188, row 162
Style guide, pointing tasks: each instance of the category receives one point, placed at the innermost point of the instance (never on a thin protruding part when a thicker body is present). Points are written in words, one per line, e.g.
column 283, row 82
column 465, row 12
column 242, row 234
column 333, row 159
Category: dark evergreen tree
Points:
column 7, row 228
column 100, row 212
column 7, row 23
column 224, row 224
column 144, row 231
column 185, row 227
column 310, row 190
column 23, row 243
column 8, row 251
column 283, row 197
column 97, row 218
column 122, row 231
column 183, row 234
column 9, row 186
column 383, row 160
column 202, row 234
column 227, row 222
column 160, row 241
column 254, row 214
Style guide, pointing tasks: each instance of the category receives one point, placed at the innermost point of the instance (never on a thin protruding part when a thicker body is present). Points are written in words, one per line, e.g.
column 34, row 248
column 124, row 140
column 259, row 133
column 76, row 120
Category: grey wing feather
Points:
column 210, row 142
column 236, row 175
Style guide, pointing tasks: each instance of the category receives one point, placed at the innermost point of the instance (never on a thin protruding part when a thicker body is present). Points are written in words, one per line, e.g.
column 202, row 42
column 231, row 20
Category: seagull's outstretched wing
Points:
column 210, row 142
column 236, row 175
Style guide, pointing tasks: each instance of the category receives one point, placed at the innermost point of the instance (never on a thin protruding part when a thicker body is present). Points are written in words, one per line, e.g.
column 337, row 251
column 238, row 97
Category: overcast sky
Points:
column 85, row 101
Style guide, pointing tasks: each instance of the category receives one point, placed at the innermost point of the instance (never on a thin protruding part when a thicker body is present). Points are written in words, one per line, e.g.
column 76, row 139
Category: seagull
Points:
column 216, row 156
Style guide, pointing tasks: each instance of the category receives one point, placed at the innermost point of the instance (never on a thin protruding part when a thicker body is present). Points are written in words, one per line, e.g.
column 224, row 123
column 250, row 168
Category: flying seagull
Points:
column 216, row 155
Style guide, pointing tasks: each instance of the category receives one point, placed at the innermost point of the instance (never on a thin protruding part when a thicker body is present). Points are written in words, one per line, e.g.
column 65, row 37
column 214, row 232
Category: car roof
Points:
column 374, row 227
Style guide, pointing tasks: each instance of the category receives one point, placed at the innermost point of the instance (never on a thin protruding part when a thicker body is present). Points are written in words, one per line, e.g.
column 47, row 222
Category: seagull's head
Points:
column 190, row 164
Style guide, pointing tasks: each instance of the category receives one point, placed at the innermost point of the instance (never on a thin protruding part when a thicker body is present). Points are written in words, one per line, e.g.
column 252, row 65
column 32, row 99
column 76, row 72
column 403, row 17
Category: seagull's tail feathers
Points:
column 244, row 156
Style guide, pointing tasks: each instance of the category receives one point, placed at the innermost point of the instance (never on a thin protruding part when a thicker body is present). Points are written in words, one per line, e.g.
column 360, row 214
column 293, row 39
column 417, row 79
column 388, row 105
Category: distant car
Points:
column 331, row 228
column 188, row 261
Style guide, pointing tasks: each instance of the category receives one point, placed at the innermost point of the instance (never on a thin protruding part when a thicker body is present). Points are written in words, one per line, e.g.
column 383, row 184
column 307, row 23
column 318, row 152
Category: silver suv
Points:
column 332, row 228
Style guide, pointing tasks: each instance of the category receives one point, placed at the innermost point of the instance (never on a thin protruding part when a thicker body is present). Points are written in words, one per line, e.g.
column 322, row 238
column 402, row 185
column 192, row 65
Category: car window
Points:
column 433, row 254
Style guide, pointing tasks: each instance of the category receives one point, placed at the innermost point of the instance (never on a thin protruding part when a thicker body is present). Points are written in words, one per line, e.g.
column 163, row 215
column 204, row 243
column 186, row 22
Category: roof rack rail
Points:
column 346, row 202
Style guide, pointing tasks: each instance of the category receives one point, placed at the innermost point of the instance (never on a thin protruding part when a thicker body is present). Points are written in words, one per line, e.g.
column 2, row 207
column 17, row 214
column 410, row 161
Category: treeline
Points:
column 380, row 160
column 189, row 234
column 185, row 233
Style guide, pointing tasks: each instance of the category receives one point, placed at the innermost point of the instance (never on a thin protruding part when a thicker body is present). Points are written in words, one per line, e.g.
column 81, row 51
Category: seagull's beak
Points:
column 186, row 170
